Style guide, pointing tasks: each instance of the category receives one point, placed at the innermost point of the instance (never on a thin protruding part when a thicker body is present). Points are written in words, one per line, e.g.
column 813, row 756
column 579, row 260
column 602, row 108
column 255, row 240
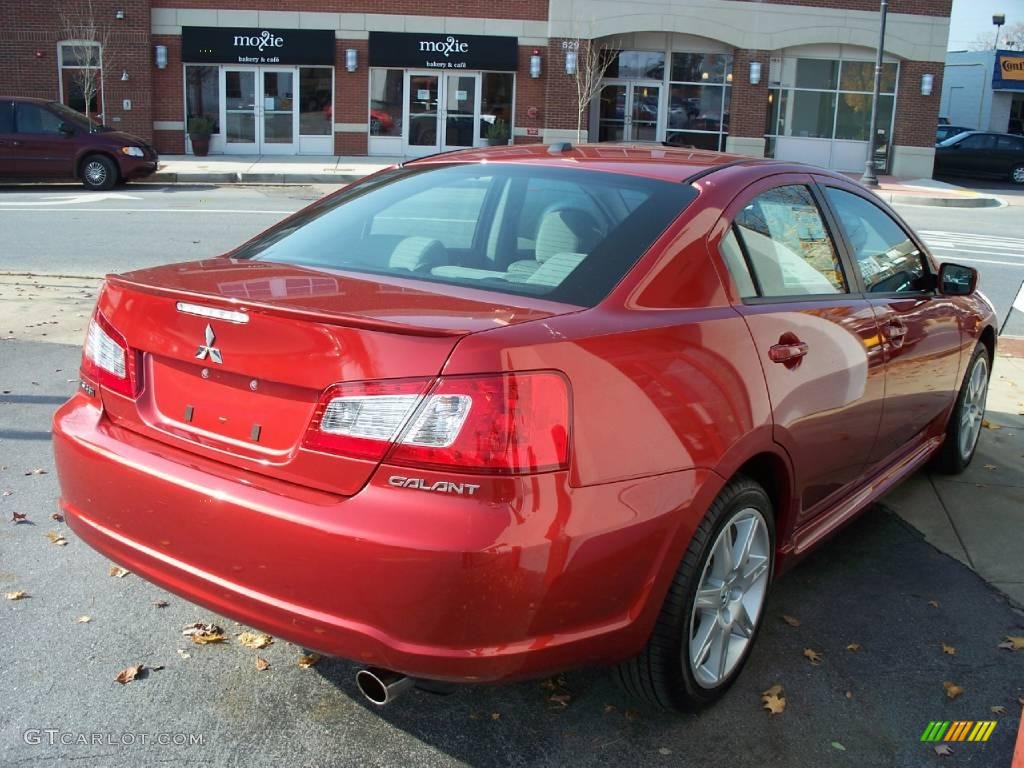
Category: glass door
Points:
column 421, row 135
column 461, row 110
column 277, row 135
column 629, row 112
column 240, row 111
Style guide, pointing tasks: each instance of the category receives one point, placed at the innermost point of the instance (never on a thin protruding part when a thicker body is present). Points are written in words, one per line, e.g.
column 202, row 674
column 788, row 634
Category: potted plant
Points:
column 200, row 128
column 497, row 132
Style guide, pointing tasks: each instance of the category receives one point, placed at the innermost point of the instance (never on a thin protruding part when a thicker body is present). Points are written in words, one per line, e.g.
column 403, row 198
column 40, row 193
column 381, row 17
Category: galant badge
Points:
column 208, row 349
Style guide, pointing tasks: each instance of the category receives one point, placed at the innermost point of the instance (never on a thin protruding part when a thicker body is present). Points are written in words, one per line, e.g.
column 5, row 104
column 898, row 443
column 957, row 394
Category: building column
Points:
column 913, row 140
column 748, row 108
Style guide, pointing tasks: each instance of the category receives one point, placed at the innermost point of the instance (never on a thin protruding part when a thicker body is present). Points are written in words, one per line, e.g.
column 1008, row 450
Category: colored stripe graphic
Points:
column 956, row 733
column 935, row 731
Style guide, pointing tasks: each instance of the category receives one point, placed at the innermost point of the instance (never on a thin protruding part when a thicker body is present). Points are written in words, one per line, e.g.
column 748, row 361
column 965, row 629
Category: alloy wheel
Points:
column 1018, row 174
column 95, row 173
column 972, row 410
column 730, row 597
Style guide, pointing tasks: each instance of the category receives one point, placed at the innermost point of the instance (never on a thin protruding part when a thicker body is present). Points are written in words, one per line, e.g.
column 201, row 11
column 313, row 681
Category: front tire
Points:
column 714, row 607
column 965, row 421
column 1017, row 174
column 99, row 172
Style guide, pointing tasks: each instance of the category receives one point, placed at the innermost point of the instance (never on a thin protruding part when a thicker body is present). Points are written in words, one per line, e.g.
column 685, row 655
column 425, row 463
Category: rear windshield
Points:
column 560, row 234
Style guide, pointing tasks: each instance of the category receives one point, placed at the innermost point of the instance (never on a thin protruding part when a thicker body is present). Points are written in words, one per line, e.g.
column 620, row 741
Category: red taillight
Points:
column 503, row 423
column 106, row 358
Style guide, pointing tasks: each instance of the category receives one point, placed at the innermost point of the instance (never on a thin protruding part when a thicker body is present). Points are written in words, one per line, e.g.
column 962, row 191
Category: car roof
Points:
column 29, row 99
column 650, row 160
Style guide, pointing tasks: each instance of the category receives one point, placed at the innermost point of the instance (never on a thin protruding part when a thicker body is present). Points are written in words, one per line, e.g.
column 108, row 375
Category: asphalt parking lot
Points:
column 877, row 603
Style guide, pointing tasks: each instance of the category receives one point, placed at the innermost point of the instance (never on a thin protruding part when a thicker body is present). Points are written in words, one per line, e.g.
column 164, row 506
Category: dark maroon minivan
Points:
column 42, row 140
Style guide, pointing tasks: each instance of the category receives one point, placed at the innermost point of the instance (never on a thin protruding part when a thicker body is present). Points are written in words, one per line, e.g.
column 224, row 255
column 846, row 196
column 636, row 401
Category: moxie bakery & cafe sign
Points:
column 228, row 45
column 412, row 50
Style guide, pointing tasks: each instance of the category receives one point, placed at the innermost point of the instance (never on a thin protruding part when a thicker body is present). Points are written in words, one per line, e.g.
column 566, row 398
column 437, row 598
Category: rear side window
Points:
column 562, row 234
column 979, row 141
column 786, row 245
column 1009, row 144
column 35, row 120
column 887, row 258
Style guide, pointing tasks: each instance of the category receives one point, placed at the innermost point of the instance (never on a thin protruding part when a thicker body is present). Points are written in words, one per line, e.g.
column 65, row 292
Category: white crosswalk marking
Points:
column 967, row 247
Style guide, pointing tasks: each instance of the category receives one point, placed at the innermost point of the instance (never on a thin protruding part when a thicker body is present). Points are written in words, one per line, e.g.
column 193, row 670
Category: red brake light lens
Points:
column 513, row 423
column 106, row 358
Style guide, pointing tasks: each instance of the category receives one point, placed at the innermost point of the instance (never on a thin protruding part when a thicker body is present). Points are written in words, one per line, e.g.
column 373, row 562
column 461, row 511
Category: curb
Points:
column 211, row 177
column 943, row 202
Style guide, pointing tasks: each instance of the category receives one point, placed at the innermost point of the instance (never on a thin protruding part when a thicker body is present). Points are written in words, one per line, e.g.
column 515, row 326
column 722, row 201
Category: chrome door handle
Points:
column 787, row 353
column 896, row 331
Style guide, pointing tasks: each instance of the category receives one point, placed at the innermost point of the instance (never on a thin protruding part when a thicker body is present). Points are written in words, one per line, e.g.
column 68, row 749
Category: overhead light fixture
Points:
column 351, row 59
column 535, row 64
column 570, row 62
column 927, row 83
column 161, row 57
column 755, row 72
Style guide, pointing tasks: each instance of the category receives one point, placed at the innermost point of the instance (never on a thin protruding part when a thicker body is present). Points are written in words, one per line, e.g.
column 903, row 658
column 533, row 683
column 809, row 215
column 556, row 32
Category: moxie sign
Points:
column 227, row 45
column 412, row 50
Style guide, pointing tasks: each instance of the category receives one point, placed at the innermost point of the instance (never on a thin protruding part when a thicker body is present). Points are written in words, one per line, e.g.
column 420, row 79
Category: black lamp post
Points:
column 998, row 19
column 869, row 179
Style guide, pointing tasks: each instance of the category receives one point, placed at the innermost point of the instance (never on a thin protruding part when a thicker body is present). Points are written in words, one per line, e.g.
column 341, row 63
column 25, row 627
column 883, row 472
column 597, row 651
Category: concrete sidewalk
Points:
column 306, row 169
column 978, row 517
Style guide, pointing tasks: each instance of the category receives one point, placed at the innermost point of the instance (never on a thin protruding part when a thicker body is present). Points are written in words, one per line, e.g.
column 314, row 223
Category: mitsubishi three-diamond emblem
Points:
column 208, row 350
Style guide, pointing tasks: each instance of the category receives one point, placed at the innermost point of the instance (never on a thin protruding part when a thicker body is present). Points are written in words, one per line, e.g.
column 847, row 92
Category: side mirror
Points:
column 957, row 280
column 66, row 129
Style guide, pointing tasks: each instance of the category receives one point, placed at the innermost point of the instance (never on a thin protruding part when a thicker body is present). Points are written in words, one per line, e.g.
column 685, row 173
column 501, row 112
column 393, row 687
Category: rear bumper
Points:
column 526, row 577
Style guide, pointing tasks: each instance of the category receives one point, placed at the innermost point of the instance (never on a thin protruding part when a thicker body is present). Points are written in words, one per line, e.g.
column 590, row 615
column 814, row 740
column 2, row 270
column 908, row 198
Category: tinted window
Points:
column 1010, row 144
column 783, row 236
column 34, row 119
column 568, row 235
column 732, row 254
column 979, row 141
column 6, row 117
column 887, row 258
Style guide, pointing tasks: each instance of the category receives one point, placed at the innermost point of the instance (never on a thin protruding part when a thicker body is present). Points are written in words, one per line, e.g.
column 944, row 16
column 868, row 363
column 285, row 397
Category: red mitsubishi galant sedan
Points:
column 496, row 413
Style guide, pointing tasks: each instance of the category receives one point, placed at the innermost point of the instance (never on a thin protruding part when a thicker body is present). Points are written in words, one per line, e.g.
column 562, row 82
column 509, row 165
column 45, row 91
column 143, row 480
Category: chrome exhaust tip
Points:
column 382, row 686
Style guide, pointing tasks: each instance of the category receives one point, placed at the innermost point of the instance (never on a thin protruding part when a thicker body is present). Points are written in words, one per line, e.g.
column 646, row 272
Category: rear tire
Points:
column 99, row 172
column 965, row 421
column 681, row 666
column 1017, row 174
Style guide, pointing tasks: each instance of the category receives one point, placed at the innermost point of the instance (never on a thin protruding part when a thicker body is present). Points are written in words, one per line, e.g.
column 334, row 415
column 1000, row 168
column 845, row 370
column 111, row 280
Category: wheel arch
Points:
column 988, row 338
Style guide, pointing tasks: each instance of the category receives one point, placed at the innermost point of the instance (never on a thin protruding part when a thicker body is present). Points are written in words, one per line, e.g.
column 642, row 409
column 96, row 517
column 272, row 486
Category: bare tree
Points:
column 1010, row 38
column 87, row 38
column 592, row 62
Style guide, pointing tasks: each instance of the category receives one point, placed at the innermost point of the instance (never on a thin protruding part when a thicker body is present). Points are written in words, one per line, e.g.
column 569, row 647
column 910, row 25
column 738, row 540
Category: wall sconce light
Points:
column 728, row 78
column 39, row 54
column 119, row 14
column 927, row 83
column 161, row 57
column 124, row 75
column 570, row 62
column 755, row 72
column 535, row 64
column 704, row 75
column 351, row 59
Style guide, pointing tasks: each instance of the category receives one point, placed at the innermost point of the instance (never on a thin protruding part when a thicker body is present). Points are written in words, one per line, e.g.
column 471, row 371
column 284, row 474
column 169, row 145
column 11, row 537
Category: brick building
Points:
column 786, row 78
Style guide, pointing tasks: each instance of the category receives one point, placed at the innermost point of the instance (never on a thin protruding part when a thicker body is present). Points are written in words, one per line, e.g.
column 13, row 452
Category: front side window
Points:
column 493, row 227
column 33, row 119
column 887, row 258
column 784, row 239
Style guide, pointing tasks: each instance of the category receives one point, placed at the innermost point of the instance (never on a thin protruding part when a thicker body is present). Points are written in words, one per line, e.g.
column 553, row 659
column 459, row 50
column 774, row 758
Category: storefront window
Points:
column 202, row 93
column 816, row 73
column 860, row 76
column 496, row 101
column 701, row 67
column 854, row 116
column 698, row 107
column 316, row 94
column 637, row 65
column 386, row 102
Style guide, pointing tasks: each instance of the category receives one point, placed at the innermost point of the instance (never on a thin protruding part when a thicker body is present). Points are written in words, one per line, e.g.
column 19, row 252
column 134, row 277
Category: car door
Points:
column 975, row 155
column 817, row 338
column 7, row 138
column 920, row 330
column 1011, row 153
column 42, row 149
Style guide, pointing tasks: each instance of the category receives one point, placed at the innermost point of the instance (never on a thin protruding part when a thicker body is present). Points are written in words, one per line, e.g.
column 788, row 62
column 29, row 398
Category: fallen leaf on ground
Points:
column 948, row 649
column 118, row 572
column 943, row 750
column 561, row 699
column 160, row 603
column 849, row 695
column 608, row 708
column 83, row 619
column 1013, row 643
column 632, row 713
column 952, row 689
column 18, row 517
column 989, row 425
column 773, row 700
column 664, row 751
column 837, row 745
column 19, row 595
column 812, row 656
column 57, row 516
column 998, row 709
column 206, row 638
column 125, row 676
column 990, row 466
column 56, row 538
column 933, row 603
column 307, row 661
column 262, row 664
column 791, row 620
column 775, row 690
column 201, row 628
column 184, row 654
column 36, row 472
column 853, row 647
column 495, row 715
column 255, row 640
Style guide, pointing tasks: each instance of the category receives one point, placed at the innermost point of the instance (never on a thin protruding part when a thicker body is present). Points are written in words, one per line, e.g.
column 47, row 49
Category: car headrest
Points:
column 566, row 230
column 418, row 254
